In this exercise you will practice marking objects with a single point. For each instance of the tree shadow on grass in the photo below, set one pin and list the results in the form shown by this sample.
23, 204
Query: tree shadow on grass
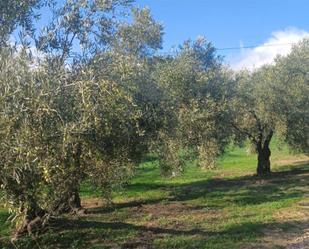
248, 190
89, 233
117, 206
289, 183
83, 232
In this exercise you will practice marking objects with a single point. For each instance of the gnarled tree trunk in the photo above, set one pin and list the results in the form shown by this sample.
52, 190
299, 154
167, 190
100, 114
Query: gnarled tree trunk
263, 167
69, 202
34, 220
264, 153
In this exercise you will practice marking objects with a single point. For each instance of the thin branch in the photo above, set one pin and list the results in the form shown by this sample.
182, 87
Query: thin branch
244, 132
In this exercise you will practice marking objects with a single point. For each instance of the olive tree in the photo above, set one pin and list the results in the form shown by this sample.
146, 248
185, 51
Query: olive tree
26, 128
253, 118
92, 25
124, 72
292, 89
194, 83
64, 122
129, 62
272, 100
55, 132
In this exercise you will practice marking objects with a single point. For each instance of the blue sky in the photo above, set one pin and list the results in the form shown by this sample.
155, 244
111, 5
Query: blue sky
230, 23
227, 22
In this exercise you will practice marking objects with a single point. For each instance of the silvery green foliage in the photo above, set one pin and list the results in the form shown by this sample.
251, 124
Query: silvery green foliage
273, 99
292, 88
55, 131
88, 24
142, 37
250, 107
62, 123
194, 84
17, 13
26, 128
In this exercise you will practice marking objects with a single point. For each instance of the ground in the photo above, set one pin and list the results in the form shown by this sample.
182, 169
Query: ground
227, 207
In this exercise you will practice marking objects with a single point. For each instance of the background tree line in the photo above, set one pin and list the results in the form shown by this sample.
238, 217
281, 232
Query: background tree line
94, 113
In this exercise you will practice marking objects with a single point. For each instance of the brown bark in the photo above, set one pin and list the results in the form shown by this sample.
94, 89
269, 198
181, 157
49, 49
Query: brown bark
263, 167
70, 201
34, 220
264, 153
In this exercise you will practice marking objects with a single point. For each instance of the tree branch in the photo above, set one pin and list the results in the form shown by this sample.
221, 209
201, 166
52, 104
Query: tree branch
244, 132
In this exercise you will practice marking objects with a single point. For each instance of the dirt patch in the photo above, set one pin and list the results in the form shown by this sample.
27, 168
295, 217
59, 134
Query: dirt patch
302, 238
296, 232
175, 214
300, 242
89, 203
292, 160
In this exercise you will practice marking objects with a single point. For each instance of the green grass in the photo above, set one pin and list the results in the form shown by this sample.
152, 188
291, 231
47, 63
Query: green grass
4, 224
227, 207
237, 161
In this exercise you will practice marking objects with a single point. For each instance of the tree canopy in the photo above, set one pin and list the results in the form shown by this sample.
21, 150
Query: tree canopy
93, 114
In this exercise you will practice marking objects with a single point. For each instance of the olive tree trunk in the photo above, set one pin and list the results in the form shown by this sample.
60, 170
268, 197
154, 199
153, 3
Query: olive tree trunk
69, 201
34, 219
264, 153
263, 167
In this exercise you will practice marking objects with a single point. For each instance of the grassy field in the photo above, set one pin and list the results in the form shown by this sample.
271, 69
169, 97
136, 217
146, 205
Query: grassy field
227, 207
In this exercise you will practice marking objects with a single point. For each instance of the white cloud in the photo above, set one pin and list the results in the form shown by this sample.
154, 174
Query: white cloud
278, 44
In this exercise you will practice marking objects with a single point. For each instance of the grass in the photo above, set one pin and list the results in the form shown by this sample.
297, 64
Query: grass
227, 207
4, 225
